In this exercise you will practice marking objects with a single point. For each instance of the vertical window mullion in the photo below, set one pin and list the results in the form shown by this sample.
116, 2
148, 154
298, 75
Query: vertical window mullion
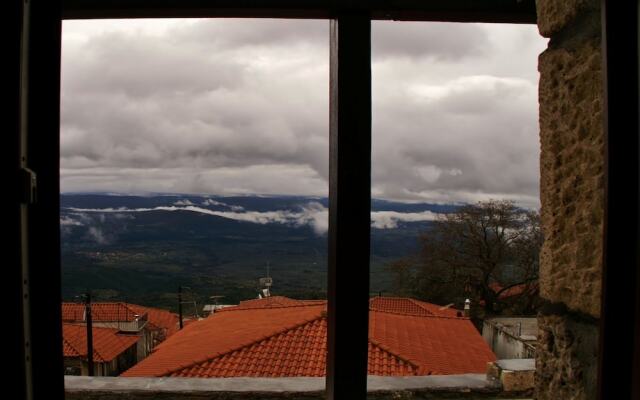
349, 206
40, 232
619, 356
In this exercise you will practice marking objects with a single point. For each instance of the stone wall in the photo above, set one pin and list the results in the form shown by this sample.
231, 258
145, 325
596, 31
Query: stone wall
572, 196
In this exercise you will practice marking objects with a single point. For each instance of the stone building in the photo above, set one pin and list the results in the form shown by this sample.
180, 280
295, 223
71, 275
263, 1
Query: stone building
572, 194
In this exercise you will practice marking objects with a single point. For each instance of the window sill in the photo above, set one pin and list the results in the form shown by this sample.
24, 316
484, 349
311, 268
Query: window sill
471, 386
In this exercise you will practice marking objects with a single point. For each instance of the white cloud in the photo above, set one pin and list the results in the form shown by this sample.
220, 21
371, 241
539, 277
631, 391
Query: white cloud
211, 202
312, 214
183, 202
97, 235
390, 219
68, 221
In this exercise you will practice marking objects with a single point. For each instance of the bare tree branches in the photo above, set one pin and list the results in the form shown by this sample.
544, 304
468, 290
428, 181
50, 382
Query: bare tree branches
483, 251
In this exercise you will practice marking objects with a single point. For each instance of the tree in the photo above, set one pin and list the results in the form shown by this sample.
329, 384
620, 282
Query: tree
484, 252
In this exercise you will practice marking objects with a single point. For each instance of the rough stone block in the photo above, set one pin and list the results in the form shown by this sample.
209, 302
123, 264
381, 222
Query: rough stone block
554, 15
512, 375
572, 175
517, 381
566, 359
493, 371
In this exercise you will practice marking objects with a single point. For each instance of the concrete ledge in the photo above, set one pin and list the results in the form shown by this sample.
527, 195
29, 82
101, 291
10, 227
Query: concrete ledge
183, 385
468, 386
465, 382
526, 364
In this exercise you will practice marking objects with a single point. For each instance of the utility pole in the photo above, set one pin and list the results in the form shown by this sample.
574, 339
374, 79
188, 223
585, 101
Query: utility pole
180, 304
87, 307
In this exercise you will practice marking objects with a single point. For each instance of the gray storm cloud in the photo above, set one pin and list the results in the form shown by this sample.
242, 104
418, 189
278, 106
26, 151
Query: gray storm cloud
241, 107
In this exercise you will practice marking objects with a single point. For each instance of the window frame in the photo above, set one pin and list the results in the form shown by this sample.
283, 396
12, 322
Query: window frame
33, 81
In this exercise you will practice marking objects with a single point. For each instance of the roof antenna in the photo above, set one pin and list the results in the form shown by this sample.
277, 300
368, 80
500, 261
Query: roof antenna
265, 285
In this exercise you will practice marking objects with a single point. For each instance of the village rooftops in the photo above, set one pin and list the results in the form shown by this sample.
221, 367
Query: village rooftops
108, 343
105, 312
282, 337
101, 312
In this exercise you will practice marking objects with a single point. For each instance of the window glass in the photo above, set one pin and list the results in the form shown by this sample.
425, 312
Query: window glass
194, 180
455, 187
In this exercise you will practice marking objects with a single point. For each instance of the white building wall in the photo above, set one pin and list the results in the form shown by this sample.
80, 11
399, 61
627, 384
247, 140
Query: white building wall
504, 344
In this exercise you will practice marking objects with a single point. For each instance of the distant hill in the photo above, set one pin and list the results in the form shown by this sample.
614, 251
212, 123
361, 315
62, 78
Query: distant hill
140, 248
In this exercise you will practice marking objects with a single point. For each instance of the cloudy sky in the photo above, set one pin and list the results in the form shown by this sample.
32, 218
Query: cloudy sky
241, 107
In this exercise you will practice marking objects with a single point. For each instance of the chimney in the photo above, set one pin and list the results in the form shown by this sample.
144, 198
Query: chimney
467, 308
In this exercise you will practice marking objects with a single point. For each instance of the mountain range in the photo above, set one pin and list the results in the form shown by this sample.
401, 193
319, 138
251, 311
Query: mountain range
140, 248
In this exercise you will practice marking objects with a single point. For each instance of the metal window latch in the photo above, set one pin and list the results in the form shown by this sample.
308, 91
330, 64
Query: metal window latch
29, 183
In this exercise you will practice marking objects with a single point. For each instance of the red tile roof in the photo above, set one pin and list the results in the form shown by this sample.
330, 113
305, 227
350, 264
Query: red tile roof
107, 342
438, 345
279, 341
271, 302
219, 334
529, 289
100, 312
299, 351
111, 312
407, 306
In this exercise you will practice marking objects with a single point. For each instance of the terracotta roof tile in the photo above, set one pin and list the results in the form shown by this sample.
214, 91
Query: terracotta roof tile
299, 351
403, 305
272, 302
438, 345
274, 339
107, 342
221, 333
100, 312
125, 312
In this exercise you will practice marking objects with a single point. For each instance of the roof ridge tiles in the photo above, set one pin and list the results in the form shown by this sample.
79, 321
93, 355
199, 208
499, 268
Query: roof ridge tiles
244, 345
418, 315
417, 303
99, 307
244, 308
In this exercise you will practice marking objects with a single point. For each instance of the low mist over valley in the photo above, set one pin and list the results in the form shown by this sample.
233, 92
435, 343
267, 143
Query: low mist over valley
141, 248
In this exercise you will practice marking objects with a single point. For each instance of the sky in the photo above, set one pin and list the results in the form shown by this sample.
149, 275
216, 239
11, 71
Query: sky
228, 107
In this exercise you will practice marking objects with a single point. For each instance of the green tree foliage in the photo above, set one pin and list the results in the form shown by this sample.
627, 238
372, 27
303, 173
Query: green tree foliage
488, 252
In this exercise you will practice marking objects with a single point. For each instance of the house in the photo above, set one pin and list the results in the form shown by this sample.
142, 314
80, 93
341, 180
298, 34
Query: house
113, 351
152, 324
513, 337
282, 337
161, 323
208, 309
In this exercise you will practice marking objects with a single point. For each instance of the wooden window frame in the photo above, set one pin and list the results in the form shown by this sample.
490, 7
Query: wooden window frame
32, 42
